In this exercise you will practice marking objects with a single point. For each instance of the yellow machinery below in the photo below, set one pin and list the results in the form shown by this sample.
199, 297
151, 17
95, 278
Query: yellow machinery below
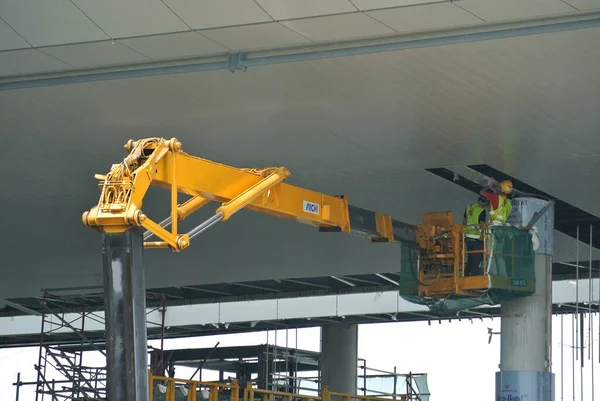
432, 254
172, 389
437, 244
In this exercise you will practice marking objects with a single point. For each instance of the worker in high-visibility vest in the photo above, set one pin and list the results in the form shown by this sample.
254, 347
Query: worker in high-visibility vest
500, 205
500, 208
475, 215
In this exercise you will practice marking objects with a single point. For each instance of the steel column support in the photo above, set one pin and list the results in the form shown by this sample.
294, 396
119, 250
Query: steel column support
526, 323
339, 353
125, 303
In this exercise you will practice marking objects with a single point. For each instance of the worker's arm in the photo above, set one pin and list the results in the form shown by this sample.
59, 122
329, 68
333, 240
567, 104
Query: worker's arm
482, 216
491, 196
160, 162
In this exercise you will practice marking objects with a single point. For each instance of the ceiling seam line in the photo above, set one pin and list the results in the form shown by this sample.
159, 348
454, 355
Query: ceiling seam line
354, 5
378, 21
54, 57
177, 15
92, 21
17, 32
133, 50
192, 29
296, 32
467, 11
265, 11
570, 5
212, 40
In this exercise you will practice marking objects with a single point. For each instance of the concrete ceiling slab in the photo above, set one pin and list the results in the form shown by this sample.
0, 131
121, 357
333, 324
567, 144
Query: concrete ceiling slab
491, 10
131, 18
584, 4
290, 9
365, 126
95, 54
337, 27
250, 27
204, 14
29, 61
256, 36
10, 39
364, 5
185, 44
426, 17
43, 23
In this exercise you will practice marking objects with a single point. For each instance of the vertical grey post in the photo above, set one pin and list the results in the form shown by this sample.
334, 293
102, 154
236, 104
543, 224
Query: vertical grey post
125, 306
526, 323
339, 356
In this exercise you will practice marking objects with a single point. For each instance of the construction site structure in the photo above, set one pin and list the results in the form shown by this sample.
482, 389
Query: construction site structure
64, 375
437, 245
74, 371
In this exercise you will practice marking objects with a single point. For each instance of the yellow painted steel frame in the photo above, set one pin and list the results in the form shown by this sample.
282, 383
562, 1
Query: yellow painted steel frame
214, 388
443, 252
161, 162
251, 393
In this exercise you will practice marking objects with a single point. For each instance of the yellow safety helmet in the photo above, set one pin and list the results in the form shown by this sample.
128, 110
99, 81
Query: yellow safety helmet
506, 186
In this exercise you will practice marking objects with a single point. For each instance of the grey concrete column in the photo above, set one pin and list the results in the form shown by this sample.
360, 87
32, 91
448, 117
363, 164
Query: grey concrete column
339, 357
125, 306
526, 323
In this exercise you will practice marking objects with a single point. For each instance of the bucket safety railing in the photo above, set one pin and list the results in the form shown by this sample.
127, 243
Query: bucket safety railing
256, 394
163, 388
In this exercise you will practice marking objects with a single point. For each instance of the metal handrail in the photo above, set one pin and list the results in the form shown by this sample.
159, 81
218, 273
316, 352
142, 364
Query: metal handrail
192, 386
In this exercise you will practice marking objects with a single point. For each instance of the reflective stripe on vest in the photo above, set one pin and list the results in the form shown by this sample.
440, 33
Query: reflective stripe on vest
501, 214
472, 230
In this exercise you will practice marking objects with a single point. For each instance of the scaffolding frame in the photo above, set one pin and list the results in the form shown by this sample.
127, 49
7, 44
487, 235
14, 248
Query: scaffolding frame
76, 381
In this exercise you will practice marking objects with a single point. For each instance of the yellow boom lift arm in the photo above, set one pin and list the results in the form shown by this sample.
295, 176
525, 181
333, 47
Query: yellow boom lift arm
437, 269
163, 163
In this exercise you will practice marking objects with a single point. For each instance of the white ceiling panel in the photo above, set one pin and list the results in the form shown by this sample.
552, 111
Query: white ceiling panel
28, 61
121, 19
9, 39
418, 18
493, 10
46, 23
254, 36
176, 45
379, 120
584, 4
94, 54
203, 14
287, 9
337, 27
364, 5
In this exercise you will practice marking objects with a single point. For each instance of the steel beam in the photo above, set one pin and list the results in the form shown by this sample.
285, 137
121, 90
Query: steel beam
125, 304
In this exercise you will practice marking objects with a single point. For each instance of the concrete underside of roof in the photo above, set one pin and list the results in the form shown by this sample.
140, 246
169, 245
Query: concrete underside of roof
366, 126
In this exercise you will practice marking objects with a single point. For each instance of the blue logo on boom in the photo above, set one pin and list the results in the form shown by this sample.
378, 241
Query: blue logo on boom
310, 207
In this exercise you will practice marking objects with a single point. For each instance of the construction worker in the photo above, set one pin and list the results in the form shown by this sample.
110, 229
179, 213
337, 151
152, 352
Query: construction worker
500, 205
475, 214
500, 208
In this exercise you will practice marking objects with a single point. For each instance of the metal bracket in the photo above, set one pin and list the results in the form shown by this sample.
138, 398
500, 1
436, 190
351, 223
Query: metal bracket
491, 332
235, 61
538, 215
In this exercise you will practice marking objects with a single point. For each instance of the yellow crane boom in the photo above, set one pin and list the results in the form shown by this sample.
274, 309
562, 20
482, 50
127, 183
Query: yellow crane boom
163, 163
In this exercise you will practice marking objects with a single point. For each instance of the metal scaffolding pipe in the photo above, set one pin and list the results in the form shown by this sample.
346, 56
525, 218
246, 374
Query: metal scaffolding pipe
125, 304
